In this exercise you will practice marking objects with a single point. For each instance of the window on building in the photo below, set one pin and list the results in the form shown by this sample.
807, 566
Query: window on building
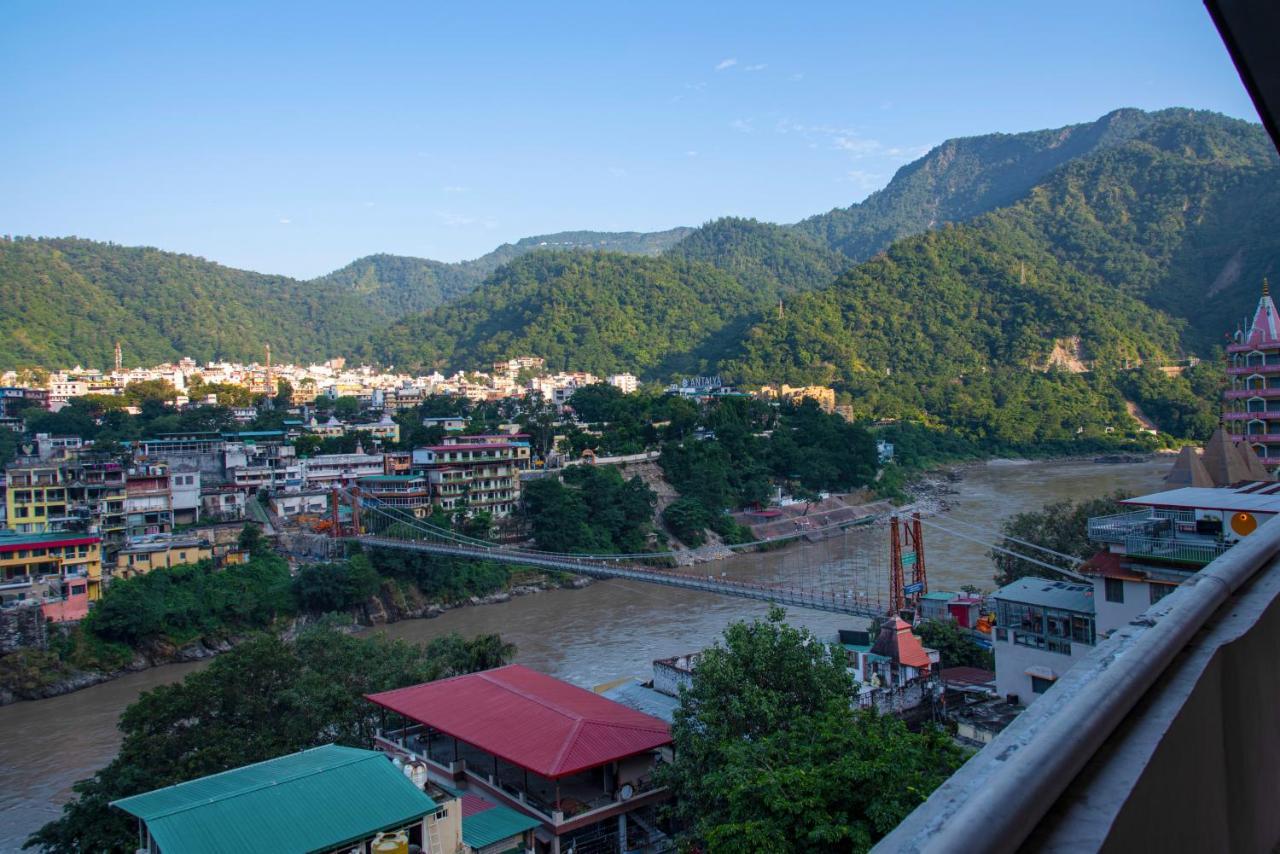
1159, 591
1039, 685
1114, 590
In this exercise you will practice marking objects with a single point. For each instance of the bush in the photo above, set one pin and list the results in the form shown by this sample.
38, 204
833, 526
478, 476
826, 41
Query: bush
688, 519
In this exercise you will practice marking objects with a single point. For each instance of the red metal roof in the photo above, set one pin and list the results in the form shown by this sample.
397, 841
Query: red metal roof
529, 719
898, 642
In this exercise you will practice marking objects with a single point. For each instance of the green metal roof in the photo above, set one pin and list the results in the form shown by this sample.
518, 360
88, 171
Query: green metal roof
498, 822
494, 825
943, 597
13, 538
315, 800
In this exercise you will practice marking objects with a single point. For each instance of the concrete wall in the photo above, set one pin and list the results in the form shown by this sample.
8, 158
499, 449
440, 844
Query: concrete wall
667, 678
1197, 768
1110, 615
1013, 660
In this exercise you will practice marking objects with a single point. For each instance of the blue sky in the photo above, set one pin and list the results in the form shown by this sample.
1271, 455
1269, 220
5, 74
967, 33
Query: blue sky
296, 138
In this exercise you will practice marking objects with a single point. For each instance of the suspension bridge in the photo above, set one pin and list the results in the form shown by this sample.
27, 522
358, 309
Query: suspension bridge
869, 567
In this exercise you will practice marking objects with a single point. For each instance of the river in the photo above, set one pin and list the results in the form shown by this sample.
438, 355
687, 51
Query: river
591, 636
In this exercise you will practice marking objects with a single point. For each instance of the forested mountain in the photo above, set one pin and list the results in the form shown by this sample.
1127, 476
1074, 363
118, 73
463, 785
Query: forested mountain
1141, 252
1040, 268
401, 284
602, 312
963, 178
769, 259
67, 301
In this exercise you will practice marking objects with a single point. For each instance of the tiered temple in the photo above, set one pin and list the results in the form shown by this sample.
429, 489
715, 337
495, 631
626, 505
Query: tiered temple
1252, 411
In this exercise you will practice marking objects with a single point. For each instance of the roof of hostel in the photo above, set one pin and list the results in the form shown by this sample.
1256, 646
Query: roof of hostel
316, 800
1253, 497
530, 719
1049, 594
469, 446
10, 541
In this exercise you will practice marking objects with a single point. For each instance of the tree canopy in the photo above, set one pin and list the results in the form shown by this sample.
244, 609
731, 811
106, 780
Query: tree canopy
265, 698
770, 754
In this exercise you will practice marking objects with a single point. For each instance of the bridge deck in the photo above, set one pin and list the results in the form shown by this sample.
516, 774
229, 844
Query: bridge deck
835, 602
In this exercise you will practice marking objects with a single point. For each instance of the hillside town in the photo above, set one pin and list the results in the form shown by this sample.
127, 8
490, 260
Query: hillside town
80, 518
432, 431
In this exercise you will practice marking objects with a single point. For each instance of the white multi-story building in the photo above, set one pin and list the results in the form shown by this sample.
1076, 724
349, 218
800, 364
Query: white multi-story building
625, 383
1042, 628
325, 471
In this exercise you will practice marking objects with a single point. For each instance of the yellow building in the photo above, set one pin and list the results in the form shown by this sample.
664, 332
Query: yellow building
35, 498
823, 396
162, 553
30, 562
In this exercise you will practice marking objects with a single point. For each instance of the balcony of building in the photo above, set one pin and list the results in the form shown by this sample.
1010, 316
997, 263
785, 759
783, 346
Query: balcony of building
1259, 415
1162, 738
1247, 393
1265, 438
576, 800
1159, 534
1247, 370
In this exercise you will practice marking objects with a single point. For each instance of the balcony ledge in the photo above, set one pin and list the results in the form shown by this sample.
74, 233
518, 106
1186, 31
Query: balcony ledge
1172, 716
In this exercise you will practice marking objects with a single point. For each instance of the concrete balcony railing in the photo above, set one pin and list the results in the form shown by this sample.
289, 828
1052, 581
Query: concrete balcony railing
1119, 527
1246, 393
1248, 370
1264, 415
1256, 437
1163, 738
1187, 550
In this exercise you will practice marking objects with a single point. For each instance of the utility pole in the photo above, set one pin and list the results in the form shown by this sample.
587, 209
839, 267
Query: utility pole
119, 359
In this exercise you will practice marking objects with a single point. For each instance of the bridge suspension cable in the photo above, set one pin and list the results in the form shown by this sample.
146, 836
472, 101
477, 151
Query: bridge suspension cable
1074, 575
1075, 561
453, 536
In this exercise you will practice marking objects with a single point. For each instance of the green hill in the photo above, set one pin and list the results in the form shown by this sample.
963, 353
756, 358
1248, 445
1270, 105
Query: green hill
1141, 252
401, 284
595, 311
769, 259
68, 301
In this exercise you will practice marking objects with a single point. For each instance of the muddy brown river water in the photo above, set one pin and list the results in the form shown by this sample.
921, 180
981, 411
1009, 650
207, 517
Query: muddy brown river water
608, 630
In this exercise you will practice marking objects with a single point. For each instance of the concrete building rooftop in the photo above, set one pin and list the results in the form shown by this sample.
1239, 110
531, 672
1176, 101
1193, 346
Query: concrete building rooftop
1252, 497
1049, 594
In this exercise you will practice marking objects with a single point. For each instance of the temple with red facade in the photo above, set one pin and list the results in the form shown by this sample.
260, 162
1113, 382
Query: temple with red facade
1252, 398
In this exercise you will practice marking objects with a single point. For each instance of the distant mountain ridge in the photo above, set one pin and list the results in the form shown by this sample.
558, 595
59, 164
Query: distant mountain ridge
1172, 209
407, 284
969, 176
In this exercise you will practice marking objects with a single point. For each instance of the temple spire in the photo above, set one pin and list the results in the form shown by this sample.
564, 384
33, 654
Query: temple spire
1265, 328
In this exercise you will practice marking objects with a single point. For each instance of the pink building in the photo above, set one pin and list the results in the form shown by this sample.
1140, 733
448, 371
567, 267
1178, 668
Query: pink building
1252, 410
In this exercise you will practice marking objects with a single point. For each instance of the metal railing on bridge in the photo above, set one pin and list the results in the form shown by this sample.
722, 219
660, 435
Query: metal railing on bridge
404, 531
